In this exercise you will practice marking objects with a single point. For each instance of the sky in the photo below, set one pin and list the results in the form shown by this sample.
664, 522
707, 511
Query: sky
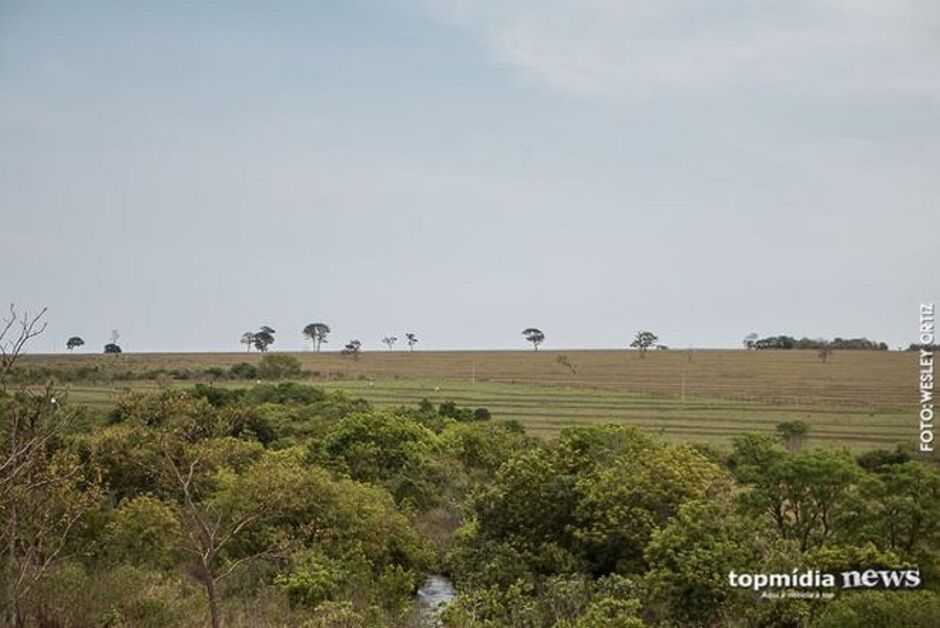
185, 172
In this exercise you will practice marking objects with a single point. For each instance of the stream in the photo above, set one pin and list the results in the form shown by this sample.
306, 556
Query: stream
435, 592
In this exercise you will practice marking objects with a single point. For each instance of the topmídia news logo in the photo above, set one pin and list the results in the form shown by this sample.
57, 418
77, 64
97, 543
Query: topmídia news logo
814, 583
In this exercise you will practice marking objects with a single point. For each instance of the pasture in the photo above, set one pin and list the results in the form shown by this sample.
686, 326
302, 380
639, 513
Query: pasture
858, 399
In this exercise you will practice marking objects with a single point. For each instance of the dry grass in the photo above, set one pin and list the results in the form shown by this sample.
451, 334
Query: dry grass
858, 399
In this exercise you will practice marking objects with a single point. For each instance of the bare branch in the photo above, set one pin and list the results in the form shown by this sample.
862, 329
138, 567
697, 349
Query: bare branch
15, 332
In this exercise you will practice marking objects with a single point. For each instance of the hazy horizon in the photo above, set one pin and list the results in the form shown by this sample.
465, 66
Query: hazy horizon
464, 170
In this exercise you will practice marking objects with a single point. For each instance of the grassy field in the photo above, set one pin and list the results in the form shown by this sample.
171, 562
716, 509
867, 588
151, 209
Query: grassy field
859, 400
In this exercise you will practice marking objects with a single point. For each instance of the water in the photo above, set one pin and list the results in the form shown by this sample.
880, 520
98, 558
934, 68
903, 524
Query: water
434, 593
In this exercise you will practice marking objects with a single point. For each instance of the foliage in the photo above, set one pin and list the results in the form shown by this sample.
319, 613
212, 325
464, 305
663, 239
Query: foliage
352, 348
793, 433
643, 341
898, 509
279, 366
690, 558
263, 339
789, 342
144, 531
624, 503
878, 459
534, 335
449, 409
243, 370
801, 493
382, 448
885, 609
317, 333
284, 504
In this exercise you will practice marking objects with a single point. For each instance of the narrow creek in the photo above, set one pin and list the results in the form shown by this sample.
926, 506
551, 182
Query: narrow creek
435, 592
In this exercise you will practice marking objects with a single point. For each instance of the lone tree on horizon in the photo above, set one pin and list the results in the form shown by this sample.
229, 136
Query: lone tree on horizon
317, 332
263, 339
535, 336
390, 341
352, 348
749, 341
643, 341
113, 346
73, 342
260, 339
412, 340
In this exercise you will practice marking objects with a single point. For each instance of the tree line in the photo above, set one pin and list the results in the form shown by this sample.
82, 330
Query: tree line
318, 333
753, 341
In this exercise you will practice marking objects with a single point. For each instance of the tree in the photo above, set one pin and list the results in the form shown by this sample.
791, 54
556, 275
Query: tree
535, 336
643, 341
214, 521
16, 330
248, 339
629, 499
73, 342
803, 494
263, 339
412, 340
389, 341
352, 348
690, 559
317, 333
900, 510
749, 341
113, 346
793, 433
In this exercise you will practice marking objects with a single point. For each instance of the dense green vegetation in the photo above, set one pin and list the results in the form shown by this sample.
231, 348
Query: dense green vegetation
841, 344
282, 504
271, 367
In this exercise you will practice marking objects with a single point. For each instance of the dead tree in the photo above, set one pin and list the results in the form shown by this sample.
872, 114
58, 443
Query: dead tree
44, 490
16, 330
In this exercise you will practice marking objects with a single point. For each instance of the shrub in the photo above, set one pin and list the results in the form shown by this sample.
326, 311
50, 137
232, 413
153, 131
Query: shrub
287, 392
216, 396
243, 370
279, 366
877, 459
481, 414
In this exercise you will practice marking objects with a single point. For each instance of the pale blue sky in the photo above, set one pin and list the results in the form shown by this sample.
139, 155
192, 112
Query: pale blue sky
187, 171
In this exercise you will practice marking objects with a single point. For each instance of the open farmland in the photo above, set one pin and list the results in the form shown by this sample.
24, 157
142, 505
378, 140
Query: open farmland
859, 400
